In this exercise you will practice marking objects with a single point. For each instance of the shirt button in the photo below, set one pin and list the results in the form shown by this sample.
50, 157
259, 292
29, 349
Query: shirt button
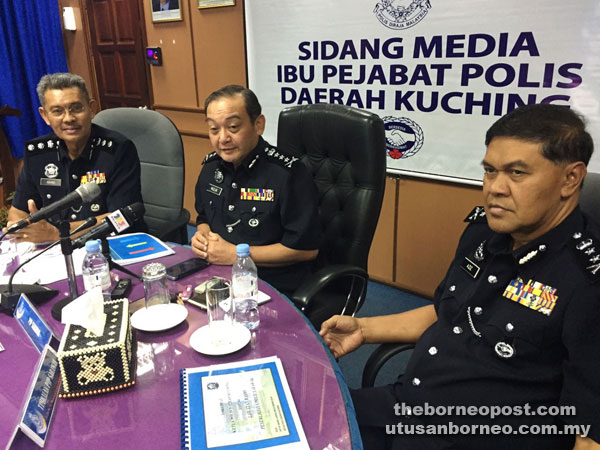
478, 310
231, 207
432, 351
48, 196
457, 330
234, 185
416, 381
210, 203
254, 209
492, 279
509, 327
73, 216
230, 229
452, 288
74, 176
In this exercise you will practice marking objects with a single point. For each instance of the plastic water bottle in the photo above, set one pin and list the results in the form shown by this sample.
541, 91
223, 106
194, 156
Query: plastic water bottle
244, 287
95, 268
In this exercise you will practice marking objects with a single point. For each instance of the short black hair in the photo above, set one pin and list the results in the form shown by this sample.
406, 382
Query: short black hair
253, 107
559, 129
61, 81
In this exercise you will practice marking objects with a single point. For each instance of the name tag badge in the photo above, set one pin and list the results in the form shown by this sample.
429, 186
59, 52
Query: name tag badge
50, 182
470, 267
214, 189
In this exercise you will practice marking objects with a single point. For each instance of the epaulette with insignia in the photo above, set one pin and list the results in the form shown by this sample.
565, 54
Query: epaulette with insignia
208, 157
477, 215
587, 252
44, 143
102, 143
281, 158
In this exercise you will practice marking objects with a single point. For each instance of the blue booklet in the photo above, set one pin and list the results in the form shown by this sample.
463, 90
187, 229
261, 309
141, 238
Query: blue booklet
240, 405
137, 247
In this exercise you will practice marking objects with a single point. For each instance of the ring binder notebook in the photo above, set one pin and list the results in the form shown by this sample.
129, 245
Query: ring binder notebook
246, 403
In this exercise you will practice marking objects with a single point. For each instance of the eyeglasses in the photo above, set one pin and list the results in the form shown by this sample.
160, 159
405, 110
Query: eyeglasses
74, 109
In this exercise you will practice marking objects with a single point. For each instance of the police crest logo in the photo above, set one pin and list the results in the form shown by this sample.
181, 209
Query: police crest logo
403, 137
51, 170
401, 14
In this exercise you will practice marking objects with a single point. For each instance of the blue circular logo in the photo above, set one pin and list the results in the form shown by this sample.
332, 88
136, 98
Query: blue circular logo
403, 137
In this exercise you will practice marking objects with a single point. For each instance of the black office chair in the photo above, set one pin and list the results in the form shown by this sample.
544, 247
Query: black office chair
160, 150
589, 200
345, 150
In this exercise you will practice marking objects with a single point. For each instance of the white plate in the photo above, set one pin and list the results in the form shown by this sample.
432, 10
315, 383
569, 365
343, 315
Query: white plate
159, 317
220, 339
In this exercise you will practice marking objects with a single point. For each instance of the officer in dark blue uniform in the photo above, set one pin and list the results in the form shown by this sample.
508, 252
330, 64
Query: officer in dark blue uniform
78, 152
514, 324
248, 192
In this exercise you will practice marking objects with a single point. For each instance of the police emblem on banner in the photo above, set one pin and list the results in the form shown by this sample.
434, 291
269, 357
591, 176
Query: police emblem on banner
401, 14
403, 137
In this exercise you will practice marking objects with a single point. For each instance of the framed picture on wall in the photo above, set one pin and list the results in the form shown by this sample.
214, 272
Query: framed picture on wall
215, 3
165, 10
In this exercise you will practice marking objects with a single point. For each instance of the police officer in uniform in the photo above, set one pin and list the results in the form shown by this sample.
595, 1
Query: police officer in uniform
77, 152
516, 321
248, 192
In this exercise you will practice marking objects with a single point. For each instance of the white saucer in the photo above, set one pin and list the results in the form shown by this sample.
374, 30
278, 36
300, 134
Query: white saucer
220, 339
158, 317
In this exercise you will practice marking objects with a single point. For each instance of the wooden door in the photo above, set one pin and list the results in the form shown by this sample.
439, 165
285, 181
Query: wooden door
116, 34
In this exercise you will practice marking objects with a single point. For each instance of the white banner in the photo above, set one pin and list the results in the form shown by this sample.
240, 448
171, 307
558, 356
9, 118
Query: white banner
439, 73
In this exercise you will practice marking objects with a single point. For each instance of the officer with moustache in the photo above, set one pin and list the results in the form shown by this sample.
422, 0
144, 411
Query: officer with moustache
249, 192
77, 152
516, 321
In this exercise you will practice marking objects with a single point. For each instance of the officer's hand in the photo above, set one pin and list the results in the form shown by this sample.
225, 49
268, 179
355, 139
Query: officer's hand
342, 334
219, 250
38, 232
199, 244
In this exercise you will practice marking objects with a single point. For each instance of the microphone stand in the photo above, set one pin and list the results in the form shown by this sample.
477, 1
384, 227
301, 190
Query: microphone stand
64, 232
10, 293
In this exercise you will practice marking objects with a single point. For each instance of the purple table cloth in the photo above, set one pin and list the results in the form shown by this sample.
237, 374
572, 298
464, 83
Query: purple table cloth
147, 415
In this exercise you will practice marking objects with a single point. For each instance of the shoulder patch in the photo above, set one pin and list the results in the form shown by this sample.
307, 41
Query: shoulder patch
280, 158
208, 157
42, 144
587, 253
477, 215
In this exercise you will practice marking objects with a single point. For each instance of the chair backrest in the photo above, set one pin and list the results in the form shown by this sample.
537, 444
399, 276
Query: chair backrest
160, 150
589, 198
345, 149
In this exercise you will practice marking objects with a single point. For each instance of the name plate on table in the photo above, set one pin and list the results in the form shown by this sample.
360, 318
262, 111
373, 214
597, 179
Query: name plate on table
35, 327
36, 414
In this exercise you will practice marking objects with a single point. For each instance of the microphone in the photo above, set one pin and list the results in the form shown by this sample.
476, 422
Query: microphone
116, 222
84, 193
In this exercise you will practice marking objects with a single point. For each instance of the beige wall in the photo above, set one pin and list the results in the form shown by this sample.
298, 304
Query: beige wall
420, 221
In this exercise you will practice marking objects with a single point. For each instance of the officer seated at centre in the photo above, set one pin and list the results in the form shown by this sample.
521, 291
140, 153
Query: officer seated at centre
516, 321
77, 152
249, 192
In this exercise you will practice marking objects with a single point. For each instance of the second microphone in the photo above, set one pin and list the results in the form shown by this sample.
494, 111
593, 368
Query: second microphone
116, 222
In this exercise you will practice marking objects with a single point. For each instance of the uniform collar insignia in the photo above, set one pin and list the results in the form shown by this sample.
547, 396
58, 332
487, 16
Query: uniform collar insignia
477, 215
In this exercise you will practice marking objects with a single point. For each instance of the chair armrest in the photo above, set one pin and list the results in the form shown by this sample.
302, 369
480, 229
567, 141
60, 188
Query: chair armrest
318, 280
378, 358
172, 227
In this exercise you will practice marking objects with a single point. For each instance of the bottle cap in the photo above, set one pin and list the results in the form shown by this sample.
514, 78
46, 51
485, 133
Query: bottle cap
242, 250
93, 245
